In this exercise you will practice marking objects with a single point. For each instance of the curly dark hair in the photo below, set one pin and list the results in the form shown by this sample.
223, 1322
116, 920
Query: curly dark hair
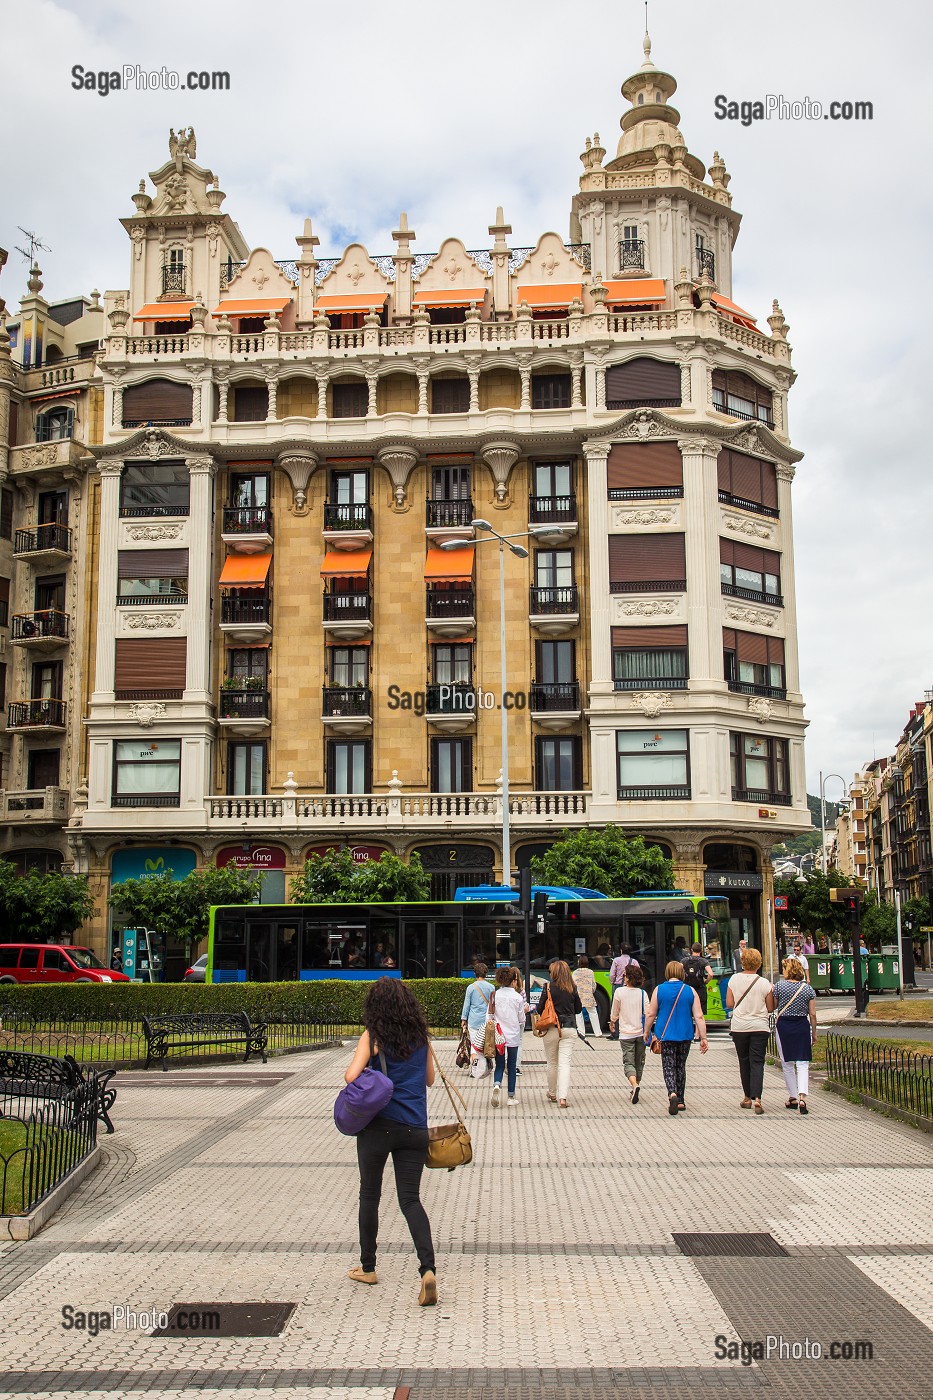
394, 1018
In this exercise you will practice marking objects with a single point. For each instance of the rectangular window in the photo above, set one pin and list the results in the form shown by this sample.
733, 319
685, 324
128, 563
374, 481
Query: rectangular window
741, 396
747, 482
349, 666
246, 770
349, 764
451, 765
555, 663
450, 395
644, 470
53, 508
753, 664
250, 403
4, 602
553, 479
47, 680
249, 491
451, 483
653, 764
749, 572
42, 769
147, 576
452, 663
146, 774
55, 426
550, 390
558, 763
349, 488
759, 769
50, 593
647, 563
350, 400
150, 668
554, 568
6, 514
249, 664
154, 489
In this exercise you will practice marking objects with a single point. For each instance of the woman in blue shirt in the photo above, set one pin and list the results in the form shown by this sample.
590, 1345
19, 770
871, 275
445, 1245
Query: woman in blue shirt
395, 1027
473, 1013
675, 1008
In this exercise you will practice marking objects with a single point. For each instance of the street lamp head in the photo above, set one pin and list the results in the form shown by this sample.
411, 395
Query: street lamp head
520, 550
480, 524
801, 879
457, 544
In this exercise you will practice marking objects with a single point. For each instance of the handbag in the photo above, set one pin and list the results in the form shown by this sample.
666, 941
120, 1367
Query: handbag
462, 1057
547, 1018
656, 1040
363, 1100
449, 1145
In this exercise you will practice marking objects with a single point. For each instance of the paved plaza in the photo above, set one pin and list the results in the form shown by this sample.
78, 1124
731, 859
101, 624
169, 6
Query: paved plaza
558, 1267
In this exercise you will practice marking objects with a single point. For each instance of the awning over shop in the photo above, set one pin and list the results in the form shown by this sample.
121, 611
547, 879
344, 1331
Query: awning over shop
638, 291
346, 563
561, 294
449, 565
351, 301
164, 311
245, 570
252, 306
463, 297
745, 318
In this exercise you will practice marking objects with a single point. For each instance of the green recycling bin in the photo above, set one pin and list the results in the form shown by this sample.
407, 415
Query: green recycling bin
820, 971
841, 976
883, 971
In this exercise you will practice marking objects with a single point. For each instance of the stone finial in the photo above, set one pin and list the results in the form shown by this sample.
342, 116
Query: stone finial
95, 300
307, 241
718, 173
35, 278
290, 787
779, 327
395, 784
141, 199
118, 318
403, 235
646, 49
198, 312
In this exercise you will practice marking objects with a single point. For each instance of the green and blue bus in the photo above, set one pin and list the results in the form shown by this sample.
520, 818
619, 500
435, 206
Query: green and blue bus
311, 942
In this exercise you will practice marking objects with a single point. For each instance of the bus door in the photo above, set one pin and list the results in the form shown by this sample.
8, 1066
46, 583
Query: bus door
430, 948
287, 943
644, 937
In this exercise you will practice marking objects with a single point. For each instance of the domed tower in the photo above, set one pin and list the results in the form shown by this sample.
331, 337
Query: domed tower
651, 210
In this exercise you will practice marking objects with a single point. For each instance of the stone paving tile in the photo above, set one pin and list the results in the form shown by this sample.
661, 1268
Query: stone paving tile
907, 1278
856, 1207
242, 1393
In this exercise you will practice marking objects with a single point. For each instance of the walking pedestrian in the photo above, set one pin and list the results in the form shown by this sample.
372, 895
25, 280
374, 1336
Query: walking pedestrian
795, 1025
675, 1008
697, 972
395, 1030
750, 997
584, 979
473, 1018
617, 976
559, 1039
518, 982
627, 1018
737, 955
507, 1011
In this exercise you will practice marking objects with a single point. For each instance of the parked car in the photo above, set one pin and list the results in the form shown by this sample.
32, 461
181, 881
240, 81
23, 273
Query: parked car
197, 970
43, 963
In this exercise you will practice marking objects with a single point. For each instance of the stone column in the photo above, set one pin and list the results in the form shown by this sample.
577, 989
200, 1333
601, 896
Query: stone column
473, 374
524, 369
223, 386
421, 367
597, 495
372, 388
110, 472
272, 387
701, 524
576, 379
200, 588
785, 475
322, 378
116, 412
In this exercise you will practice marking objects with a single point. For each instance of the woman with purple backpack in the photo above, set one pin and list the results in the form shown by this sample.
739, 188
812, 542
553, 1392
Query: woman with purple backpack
395, 1040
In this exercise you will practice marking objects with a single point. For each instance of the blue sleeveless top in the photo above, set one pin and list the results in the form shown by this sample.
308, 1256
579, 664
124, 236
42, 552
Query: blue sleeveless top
409, 1103
681, 1022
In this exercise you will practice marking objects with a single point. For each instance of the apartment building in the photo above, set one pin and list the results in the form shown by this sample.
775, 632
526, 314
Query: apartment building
50, 411
295, 625
897, 811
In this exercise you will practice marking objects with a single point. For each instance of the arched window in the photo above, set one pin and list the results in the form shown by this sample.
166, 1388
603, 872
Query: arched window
55, 424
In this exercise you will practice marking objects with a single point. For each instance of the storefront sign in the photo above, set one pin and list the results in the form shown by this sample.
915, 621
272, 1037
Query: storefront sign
721, 881
253, 858
360, 854
780, 901
147, 861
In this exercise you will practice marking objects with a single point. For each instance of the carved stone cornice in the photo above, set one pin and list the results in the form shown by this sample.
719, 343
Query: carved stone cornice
399, 461
640, 423
742, 525
756, 617
155, 443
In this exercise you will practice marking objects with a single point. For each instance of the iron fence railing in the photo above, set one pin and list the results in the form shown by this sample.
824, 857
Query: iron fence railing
901, 1078
49, 1112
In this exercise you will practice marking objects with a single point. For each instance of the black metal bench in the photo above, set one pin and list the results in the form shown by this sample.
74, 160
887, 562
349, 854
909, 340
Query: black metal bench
201, 1031
25, 1076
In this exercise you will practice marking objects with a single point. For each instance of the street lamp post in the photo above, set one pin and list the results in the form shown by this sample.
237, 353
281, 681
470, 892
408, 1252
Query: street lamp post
823, 782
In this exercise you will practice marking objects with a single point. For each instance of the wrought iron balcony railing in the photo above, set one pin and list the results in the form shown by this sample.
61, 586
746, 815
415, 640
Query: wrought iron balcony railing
751, 595
556, 697
762, 796
648, 585
631, 254
37, 714
244, 704
56, 537
49, 623
348, 607
244, 611
449, 514
348, 517
174, 279
450, 602
650, 683
544, 601
247, 520
729, 500
669, 793
454, 698
706, 263
772, 692
552, 510
346, 701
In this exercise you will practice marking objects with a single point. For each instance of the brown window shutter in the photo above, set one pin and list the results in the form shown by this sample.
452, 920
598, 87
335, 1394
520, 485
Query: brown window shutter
749, 556
14, 421
753, 648
769, 496
776, 651
644, 464
726, 551
640, 558
4, 590
772, 562
724, 471
154, 664
746, 477
152, 563
157, 401
638, 638
728, 639
719, 379
643, 380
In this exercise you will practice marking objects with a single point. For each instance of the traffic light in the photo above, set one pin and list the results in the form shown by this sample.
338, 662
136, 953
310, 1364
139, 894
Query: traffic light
540, 904
524, 890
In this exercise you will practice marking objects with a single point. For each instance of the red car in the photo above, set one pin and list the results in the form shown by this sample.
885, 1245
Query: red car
43, 963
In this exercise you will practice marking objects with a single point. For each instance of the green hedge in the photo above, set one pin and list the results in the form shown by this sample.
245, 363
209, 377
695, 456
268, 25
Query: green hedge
441, 998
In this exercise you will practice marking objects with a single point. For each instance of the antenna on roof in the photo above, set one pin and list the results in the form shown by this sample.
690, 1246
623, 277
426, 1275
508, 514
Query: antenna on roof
35, 244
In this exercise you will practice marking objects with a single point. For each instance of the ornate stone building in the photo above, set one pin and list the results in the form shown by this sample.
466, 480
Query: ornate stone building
284, 653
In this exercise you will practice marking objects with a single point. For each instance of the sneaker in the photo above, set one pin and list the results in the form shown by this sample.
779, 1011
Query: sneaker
510, 1101
635, 1092
495, 1095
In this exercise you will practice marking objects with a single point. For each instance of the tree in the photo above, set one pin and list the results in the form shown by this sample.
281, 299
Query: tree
809, 907
180, 909
608, 861
42, 908
336, 878
878, 920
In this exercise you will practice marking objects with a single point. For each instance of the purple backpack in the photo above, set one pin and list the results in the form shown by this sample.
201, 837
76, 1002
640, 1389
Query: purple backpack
360, 1102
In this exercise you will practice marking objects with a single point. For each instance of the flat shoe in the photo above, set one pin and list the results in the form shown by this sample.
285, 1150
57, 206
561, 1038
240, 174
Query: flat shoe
681, 1108
672, 1105
635, 1092
564, 1103
553, 1098
791, 1103
746, 1103
428, 1295
758, 1108
803, 1108
363, 1276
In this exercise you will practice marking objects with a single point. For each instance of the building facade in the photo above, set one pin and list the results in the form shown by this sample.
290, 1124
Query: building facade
294, 628
50, 413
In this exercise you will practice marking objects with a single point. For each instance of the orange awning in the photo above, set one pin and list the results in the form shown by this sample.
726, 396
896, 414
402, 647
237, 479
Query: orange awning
360, 642
245, 570
449, 565
350, 301
346, 563
164, 311
724, 304
561, 294
638, 291
252, 306
454, 298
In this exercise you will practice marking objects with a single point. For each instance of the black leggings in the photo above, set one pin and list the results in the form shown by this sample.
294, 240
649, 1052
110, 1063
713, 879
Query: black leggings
407, 1146
674, 1064
750, 1046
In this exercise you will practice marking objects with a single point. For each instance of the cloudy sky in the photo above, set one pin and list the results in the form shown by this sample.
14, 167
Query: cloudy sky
350, 113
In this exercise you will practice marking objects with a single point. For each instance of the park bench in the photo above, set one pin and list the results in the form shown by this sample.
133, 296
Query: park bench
29, 1081
203, 1031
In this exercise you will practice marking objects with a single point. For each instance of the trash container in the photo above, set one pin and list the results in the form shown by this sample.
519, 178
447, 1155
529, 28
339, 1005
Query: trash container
883, 972
841, 976
820, 966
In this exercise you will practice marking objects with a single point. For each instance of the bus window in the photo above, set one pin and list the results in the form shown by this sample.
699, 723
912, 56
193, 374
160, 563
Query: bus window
678, 939
639, 936
259, 955
446, 949
286, 952
229, 950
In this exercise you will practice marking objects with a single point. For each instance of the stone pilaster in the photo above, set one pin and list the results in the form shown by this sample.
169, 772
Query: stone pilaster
110, 473
200, 590
785, 476
597, 495
701, 522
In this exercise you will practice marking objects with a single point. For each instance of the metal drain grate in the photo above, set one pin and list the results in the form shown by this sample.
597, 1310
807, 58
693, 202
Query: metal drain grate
226, 1320
732, 1245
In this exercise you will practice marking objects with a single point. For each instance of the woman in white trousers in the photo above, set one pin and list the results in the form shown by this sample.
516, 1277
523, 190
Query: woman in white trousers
559, 1040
